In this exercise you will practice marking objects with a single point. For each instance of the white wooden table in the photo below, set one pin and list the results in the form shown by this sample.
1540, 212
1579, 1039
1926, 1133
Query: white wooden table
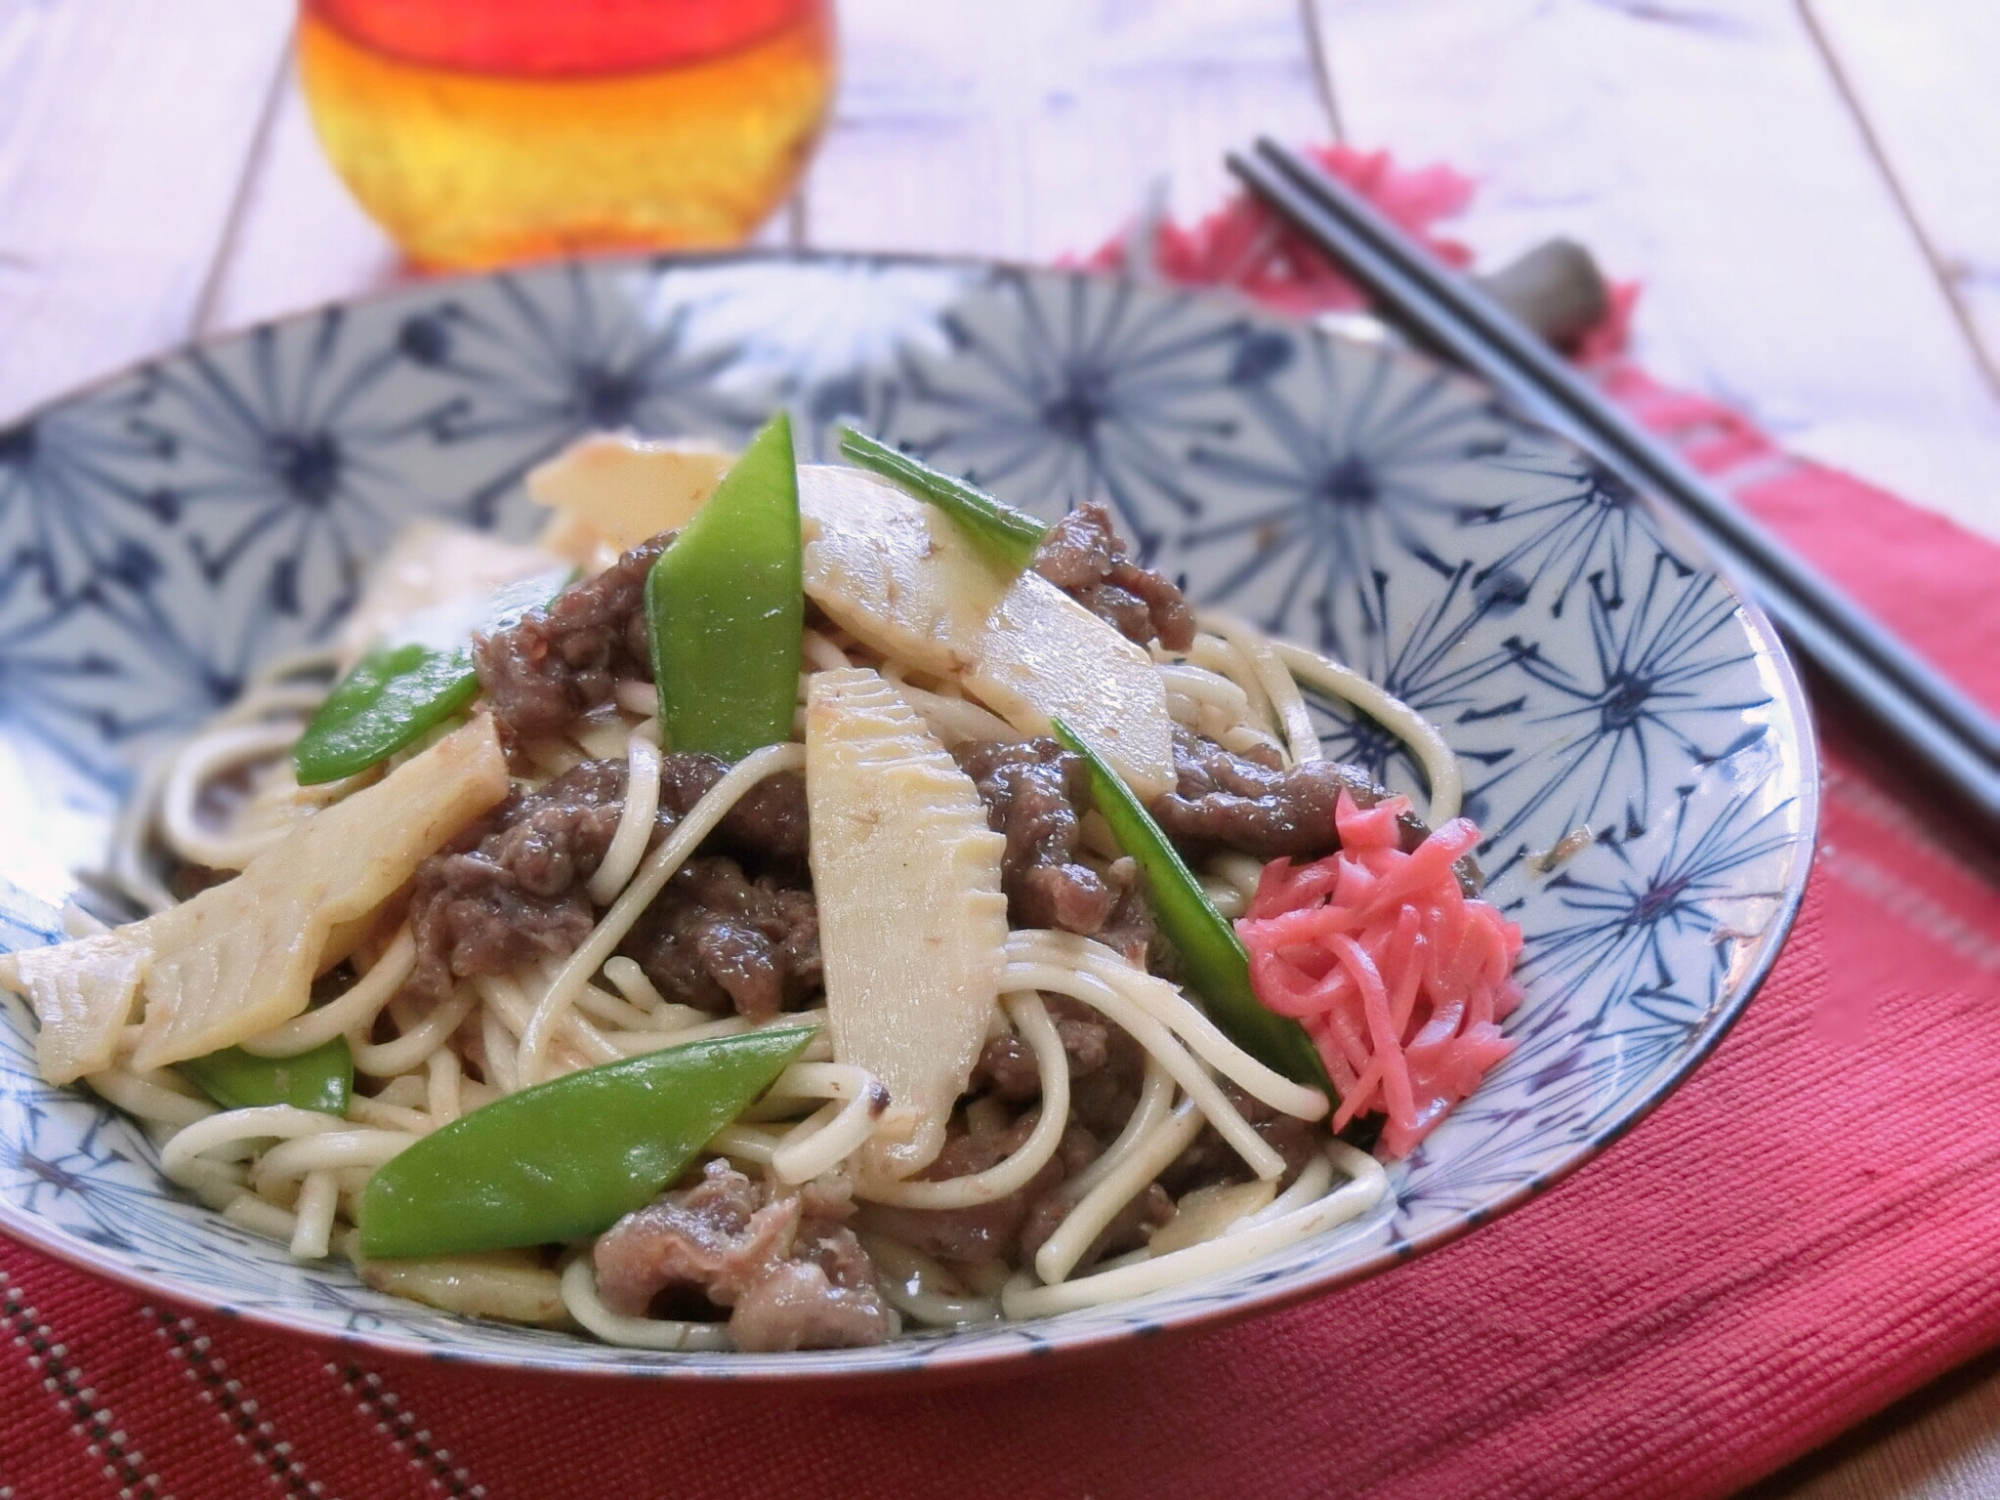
1806, 188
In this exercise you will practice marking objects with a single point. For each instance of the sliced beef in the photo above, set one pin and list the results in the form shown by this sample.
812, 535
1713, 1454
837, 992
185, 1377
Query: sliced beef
1130, 931
510, 890
1034, 791
1006, 1068
718, 940
1084, 557
561, 660
1225, 801
790, 1272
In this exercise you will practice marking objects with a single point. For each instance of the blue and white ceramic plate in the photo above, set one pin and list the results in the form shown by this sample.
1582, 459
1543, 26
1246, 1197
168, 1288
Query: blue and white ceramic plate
163, 533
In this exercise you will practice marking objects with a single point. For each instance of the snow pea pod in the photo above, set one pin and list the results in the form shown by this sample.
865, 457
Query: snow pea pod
1211, 954
399, 691
1010, 535
725, 604
570, 1157
321, 1079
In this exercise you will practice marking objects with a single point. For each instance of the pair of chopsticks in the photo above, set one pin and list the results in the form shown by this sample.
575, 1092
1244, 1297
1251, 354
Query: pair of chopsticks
1952, 737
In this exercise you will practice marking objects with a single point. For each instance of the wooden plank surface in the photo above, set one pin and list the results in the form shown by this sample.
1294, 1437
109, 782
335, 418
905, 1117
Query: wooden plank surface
1941, 1444
124, 129
1925, 76
1034, 128
1707, 151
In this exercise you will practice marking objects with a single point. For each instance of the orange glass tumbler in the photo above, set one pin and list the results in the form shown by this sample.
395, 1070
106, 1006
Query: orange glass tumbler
478, 132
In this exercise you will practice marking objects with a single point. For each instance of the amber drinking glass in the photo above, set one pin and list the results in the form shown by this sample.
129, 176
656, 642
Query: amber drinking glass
484, 131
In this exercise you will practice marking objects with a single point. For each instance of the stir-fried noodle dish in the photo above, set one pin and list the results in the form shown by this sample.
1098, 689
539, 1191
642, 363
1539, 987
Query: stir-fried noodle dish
786, 907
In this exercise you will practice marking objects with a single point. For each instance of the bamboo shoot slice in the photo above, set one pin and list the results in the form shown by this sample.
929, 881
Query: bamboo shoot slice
240, 957
913, 923
900, 576
626, 490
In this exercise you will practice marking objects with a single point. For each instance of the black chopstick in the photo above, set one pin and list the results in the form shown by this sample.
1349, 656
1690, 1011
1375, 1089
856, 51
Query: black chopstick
1931, 718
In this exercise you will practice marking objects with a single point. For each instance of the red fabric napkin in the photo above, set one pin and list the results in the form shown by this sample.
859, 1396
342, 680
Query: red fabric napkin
1797, 1237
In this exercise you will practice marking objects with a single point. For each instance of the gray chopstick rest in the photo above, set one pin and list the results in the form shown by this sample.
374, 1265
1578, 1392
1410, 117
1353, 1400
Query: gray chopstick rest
1554, 288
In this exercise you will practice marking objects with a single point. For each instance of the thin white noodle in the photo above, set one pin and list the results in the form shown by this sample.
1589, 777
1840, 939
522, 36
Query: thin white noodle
1167, 1005
192, 768
956, 720
630, 981
1441, 768
636, 697
148, 1097
579, 1294
309, 659
499, 1049
1156, 1101
1214, 654
350, 1012
1031, 1019
407, 1052
635, 822
1242, 739
1200, 686
441, 1090
363, 1110
1290, 705
904, 1264
235, 1126
745, 1143
332, 1148
1313, 1180
828, 1136
506, 996
130, 870
651, 879
822, 654
262, 1217
1246, 1241
1087, 1219
1256, 1152
601, 1005
312, 1231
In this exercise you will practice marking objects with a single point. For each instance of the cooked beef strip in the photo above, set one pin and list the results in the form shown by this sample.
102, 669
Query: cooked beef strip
791, 1273
1033, 790
1227, 802
510, 890
716, 939
1084, 557
561, 660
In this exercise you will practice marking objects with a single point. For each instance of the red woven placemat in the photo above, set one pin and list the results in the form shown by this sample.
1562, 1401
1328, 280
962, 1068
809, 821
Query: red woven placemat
1796, 1238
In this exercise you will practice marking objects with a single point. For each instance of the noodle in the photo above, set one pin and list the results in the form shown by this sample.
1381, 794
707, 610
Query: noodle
635, 822
1285, 1222
1279, 689
353, 1012
1031, 1017
1440, 765
579, 1294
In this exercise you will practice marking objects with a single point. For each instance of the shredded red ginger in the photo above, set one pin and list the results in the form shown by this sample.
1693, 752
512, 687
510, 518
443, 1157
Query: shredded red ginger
1399, 978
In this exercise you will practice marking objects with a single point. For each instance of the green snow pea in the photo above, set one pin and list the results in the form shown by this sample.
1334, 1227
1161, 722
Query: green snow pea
321, 1079
1011, 535
1211, 954
570, 1157
726, 607
403, 688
